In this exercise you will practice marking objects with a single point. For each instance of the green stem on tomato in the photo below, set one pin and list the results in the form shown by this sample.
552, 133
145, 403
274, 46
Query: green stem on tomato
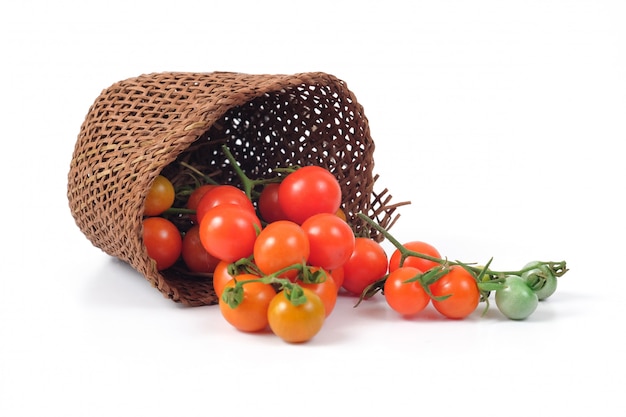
205, 177
483, 272
248, 183
179, 210
233, 296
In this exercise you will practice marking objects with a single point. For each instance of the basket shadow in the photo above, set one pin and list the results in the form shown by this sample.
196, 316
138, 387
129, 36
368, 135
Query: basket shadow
117, 285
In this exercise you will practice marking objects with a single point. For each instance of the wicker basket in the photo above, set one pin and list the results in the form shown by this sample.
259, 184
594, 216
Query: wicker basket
147, 125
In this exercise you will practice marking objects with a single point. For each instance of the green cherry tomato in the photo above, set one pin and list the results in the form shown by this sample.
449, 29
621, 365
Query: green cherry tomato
535, 276
516, 300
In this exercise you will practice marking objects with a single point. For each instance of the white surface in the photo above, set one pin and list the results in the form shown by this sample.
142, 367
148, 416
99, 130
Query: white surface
500, 121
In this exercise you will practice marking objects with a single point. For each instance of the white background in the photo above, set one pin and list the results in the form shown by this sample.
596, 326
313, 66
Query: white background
501, 121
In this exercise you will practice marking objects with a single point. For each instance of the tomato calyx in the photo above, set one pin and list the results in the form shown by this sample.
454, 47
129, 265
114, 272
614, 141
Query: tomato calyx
536, 278
233, 296
424, 279
295, 294
311, 276
243, 265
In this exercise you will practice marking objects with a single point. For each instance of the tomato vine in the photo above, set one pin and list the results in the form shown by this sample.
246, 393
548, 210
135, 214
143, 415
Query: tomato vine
487, 279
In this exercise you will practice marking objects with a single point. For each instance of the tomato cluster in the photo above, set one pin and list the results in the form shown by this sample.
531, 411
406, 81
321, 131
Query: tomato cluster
280, 257
290, 243
520, 295
164, 241
415, 281
419, 276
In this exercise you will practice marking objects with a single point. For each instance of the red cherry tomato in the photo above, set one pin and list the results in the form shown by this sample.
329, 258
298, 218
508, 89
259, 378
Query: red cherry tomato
409, 298
463, 291
194, 255
337, 275
269, 208
162, 241
223, 194
326, 289
414, 261
331, 240
221, 276
307, 191
195, 197
367, 264
228, 231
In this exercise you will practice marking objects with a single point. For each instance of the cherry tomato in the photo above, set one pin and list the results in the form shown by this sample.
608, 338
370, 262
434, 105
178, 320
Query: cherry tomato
195, 197
269, 209
337, 275
221, 277
540, 273
162, 241
331, 240
228, 231
280, 245
463, 290
296, 324
307, 191
223, 194
327, 290
342, 215
367, 264
414, 261
516, 300
194, 255
409, 298
251, 314
160, 197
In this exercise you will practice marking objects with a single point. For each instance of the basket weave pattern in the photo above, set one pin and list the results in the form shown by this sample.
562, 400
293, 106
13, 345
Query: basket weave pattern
144, 126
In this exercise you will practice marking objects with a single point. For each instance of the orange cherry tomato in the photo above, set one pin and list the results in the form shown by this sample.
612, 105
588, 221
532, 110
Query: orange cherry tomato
296, 323
222, 194
160, 197
251, 315
279, 245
